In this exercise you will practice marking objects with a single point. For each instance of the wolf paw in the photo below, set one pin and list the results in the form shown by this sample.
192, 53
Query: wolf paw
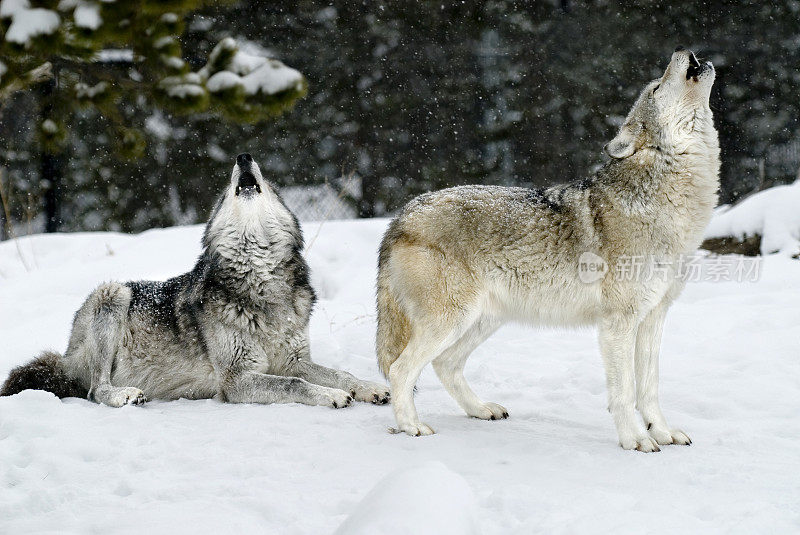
489, 411
640, 443
126, 396
415, 430
666, 436
333, 397
374, 393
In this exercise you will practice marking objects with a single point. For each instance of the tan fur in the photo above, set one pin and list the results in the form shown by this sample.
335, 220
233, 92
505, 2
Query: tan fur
456, 264
394, 329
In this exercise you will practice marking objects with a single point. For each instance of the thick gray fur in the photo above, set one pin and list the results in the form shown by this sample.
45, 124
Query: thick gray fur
235, 328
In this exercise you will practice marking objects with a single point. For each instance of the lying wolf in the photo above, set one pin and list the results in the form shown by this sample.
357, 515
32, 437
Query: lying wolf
234, 328
458, 263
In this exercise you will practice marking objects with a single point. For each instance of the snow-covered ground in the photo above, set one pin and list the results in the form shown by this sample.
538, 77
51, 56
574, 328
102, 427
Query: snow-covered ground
730, 378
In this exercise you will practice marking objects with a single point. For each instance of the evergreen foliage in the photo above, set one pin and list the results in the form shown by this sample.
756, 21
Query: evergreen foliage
413, 96
116, 58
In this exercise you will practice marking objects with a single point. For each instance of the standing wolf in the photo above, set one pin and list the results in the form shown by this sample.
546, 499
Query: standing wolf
458, 263
234, 328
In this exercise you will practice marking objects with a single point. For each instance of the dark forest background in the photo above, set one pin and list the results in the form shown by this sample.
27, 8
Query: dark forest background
405, 97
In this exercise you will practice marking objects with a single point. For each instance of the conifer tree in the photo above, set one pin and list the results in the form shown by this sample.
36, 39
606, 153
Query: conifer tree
110, 54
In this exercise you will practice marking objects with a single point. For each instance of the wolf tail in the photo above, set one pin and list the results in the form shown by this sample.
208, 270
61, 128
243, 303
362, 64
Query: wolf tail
394, 328
43, 373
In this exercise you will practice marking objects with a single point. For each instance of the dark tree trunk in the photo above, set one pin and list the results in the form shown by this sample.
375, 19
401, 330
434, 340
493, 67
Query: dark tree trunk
369, 196
52, 173
52, 164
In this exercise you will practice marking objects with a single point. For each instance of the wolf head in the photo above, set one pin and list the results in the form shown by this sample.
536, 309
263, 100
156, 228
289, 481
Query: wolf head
251, 207
672, 112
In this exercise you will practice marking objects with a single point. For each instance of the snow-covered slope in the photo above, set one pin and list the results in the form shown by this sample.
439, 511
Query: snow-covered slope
774, 214
730, 378
429, 495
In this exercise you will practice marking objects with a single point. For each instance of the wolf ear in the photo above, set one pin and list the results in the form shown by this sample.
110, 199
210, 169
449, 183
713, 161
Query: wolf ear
623, 145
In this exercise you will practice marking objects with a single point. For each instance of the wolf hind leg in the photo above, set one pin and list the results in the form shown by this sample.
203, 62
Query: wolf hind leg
648, 343
106, 312
403, 375
114, 396
449, 367
425, 345
438, 297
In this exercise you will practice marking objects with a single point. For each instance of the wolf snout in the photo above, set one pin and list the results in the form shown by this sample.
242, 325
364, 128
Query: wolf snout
696, 66
247, 181
683, 52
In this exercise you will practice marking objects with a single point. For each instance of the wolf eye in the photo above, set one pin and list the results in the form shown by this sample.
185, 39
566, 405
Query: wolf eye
656, 88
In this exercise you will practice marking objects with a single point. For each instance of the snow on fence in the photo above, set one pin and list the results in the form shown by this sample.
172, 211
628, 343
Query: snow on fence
318, 203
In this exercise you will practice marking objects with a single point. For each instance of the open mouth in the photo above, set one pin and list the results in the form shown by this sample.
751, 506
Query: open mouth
248, 184
696, 68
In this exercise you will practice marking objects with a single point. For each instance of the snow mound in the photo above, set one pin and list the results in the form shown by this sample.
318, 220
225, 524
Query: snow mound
27, 23
774, 214
8, 8
254, 73
87, 16
427, 499
112, 55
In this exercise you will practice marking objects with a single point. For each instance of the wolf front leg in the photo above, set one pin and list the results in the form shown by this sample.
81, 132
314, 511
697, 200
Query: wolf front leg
320, 375
253, 387
236, 356
449, 366
301, 365
648, 344
617, 339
